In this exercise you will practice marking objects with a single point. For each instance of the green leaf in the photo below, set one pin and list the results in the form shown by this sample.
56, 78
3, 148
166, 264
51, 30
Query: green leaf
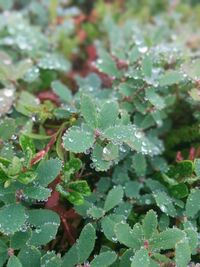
192, 69
104, 259
141, 258
48, 170
22, 68
132, 238
73, 165
165, 203
45, 224
37, 192
171, 77
192, 237
106, 64
14, 262
95, 212
54, 62
88, 110
134, 55
39, 217
182, 169
77, 140
19, 239
75, 198
128, 134
12, 218
113, 198
164, 222
98, 160
110, 152
153, 263
29, 256
197, 167
126, 258
147, 66
70, 259
108, 225
50, 259
154, 98
139, 164
193, 204
132, 189
77, 190
27, 177
119, 133
81, 187
62, 91
182, 253
80, 251
26, 144
31, 75
3, 252
26, 102
167, 239
7, 128
108, 115
86, 242
179, 190
150, 224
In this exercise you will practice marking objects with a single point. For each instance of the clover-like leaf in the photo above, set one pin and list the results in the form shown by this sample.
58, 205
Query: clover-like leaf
7, 128
50, 259
95, 212
106, 64
141, 258
37, 192
139, 164
182, 253
29, 256
46, 224
150, 224
12, 218
14, 262
193, 203
54, 62
48, 170
86, 242
108, 114
108, 225
62, 91
165, 203
132, 189
132, 238
81, 250
78, 140
167, 239
197, 166
147, 66
88, 110
104, 259
110, 152
113, 198
154, 98
171, 77
97, 157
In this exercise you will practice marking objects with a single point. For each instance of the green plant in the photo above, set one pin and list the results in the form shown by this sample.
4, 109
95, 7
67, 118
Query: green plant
94, 141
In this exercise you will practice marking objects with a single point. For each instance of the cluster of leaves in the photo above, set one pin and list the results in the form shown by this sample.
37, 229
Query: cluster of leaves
91, 119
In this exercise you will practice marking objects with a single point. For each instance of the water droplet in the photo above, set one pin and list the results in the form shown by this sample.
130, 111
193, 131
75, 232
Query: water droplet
143, 49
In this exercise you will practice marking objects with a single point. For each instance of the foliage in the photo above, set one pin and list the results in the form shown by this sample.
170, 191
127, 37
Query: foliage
99, 133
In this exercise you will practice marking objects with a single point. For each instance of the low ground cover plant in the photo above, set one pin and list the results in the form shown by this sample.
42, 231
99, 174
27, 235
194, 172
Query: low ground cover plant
99, 133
